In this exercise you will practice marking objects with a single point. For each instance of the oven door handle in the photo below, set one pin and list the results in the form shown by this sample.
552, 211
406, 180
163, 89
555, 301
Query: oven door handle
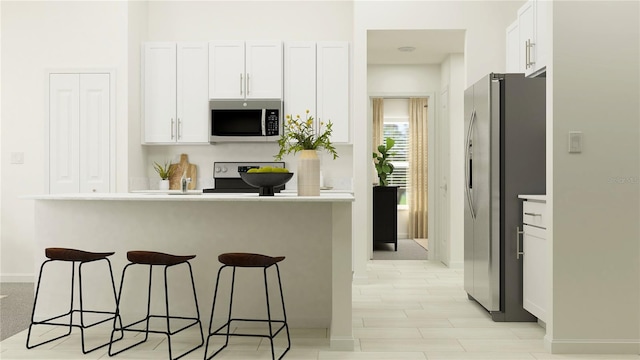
263, 122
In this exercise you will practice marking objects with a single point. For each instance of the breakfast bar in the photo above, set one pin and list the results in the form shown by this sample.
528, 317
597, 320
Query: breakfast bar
313, 233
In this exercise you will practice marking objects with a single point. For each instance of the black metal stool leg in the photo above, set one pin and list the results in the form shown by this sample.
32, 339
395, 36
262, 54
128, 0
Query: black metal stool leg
284, 312
33, 312
213, 307
195, 299
266, 292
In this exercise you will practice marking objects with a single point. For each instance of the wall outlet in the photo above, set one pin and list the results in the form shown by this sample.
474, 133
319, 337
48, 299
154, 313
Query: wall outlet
17, 158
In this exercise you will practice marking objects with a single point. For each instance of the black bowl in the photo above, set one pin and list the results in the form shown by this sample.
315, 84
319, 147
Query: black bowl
266, 181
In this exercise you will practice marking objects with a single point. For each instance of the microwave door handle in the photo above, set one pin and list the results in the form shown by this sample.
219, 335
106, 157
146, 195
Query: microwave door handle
264, 125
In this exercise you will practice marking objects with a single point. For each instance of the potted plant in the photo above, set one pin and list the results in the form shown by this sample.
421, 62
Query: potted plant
383, 166
385, 198
165, 172
306, 136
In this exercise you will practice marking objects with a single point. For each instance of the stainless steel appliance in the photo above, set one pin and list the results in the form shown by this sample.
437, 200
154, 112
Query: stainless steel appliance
245, 120
504, 157
226, 177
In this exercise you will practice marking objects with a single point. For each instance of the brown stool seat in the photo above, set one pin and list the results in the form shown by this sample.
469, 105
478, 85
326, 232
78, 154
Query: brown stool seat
156, 258
64, 254
248, 260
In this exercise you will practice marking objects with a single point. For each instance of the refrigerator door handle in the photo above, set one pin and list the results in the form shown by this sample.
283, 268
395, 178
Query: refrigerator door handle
467, 164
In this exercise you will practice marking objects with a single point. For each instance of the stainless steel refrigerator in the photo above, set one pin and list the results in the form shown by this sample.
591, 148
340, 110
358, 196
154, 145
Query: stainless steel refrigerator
504, 157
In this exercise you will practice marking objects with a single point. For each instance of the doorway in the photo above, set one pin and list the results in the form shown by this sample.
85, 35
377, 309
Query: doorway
407, 63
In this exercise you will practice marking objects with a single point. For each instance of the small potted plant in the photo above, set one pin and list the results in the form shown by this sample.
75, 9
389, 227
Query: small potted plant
383, 166
385, 198
165, 172
306, 136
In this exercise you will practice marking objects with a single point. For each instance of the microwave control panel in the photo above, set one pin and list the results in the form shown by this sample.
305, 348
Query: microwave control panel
272, 122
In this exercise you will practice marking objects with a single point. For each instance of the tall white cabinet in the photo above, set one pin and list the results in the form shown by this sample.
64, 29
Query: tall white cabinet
245, 70
176, 106
527, 39
80, 116
317, 79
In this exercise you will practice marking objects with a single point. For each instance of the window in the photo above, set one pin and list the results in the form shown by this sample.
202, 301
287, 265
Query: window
398, 129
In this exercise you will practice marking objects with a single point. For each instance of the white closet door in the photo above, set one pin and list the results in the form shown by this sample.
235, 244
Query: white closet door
94, 133
63, 133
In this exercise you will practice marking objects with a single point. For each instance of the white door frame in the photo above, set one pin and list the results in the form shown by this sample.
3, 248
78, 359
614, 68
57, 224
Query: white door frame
431, 168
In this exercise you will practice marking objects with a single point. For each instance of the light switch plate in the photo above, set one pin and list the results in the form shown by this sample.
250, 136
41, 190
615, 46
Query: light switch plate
575, 142
17, 158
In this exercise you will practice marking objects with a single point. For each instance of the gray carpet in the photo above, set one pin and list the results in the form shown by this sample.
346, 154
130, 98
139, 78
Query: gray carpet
15, 308
408, 249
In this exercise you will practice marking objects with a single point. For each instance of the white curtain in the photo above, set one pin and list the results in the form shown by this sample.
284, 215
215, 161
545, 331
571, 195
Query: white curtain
378, 126
418, 135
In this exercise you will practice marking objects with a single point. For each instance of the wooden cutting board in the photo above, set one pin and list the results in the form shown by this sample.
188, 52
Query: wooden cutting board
179, 169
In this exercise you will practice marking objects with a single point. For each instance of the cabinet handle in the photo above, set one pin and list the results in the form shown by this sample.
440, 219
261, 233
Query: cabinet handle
518, 251
241, 84
531, 44
179, 129
526, 54
172, 124
532, 214
247, 84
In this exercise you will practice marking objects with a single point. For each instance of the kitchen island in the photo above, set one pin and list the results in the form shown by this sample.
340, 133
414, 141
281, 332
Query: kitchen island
313, 233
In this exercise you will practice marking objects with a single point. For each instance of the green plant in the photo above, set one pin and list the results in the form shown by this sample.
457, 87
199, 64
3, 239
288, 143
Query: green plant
305, 135
383, 166
164, 171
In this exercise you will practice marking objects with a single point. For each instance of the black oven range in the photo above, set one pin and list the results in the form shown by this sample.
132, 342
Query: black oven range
226, 177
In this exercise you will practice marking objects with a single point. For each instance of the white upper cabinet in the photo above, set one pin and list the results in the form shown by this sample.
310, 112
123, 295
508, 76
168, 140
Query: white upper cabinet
317, 79
513, 64
192, 93
175, 93
245, 70
333, 88
300, 78
533, 42
79, 133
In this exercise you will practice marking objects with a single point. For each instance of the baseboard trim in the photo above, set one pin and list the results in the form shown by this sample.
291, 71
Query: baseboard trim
580, 346
338, 343
17, 278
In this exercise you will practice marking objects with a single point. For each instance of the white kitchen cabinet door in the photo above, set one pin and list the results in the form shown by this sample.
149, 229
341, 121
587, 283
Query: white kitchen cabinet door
263, 67
160, 92
534, 271
333, 88
226, 70
513, 64
192, 95
79, 133
532, 24
300, 78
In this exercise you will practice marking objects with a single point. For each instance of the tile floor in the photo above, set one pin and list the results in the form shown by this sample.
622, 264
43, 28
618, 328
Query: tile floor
405, 310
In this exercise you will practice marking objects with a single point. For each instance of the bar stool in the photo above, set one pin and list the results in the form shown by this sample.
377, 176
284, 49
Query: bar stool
247, 260
73, 256
152, 259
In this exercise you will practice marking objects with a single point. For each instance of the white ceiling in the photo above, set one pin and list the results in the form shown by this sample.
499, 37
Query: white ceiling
432, 46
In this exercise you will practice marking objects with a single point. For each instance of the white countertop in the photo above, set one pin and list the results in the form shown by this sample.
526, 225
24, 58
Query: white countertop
197, 195
542, 197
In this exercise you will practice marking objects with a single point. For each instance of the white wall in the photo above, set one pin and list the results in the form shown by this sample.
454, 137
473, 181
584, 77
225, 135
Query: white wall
484, 53
595, 195
260, 20
37, 36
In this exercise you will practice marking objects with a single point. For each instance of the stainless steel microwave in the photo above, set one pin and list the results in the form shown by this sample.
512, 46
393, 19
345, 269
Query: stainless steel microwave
245, 120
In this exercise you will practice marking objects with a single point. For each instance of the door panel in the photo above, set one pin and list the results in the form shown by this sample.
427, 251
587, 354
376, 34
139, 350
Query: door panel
192, 93
94, 132
63, 133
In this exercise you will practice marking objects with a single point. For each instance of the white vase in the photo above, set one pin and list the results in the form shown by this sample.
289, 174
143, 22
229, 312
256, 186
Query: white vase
308, 173
163, 185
